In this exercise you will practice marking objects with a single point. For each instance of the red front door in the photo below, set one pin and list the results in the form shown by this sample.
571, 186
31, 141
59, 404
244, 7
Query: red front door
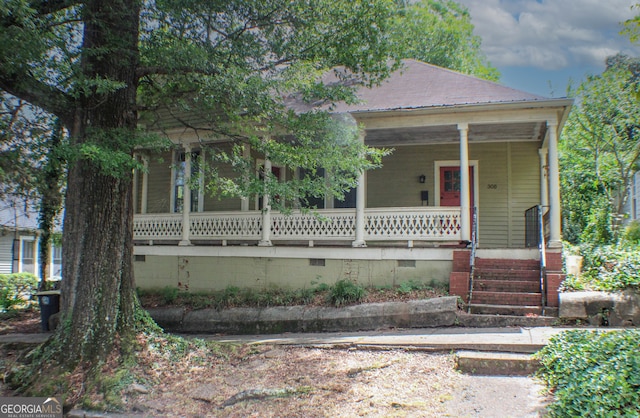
450, 186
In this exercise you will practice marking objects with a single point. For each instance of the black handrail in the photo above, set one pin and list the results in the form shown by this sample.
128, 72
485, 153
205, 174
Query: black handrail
543, 258
472, 258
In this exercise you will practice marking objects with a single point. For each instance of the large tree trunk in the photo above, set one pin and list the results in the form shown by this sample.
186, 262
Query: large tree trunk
98, 298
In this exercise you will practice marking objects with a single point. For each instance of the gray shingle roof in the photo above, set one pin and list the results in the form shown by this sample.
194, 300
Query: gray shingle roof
421, 85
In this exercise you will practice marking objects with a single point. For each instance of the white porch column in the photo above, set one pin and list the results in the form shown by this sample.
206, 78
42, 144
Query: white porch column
361, 198
246, 153
266, 207
544, 181
465, 184
186, 197
145, 184
555, 239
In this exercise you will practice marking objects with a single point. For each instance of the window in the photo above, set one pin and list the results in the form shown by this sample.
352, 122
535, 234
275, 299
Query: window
27, 256
56, 261
349, 200
179, 182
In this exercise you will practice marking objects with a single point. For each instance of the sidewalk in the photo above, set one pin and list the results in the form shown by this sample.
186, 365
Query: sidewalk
507, 339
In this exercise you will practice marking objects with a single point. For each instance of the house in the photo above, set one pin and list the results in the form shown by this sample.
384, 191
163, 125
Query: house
633, 205
19, 243
412, 219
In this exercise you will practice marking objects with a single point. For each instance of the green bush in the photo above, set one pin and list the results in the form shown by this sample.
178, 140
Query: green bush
345, 292
607, 268
631, 233
16, 289
595, 374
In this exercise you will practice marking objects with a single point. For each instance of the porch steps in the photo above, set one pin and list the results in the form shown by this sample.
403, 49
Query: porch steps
506, 287
486, 309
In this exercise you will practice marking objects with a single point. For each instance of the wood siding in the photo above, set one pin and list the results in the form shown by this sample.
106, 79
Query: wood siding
6, 253
159, 183
508, 183
214, 202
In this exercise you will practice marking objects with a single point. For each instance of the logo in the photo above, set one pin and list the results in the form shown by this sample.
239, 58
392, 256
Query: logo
30, 408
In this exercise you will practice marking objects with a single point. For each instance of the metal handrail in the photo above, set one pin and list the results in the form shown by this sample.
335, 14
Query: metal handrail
472, 258
543, 258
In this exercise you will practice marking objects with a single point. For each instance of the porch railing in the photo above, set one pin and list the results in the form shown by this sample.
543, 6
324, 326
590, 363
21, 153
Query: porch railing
381, 224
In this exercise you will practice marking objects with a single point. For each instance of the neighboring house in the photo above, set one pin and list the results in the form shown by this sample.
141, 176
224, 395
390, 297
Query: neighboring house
19, 240
408, 220
634, 198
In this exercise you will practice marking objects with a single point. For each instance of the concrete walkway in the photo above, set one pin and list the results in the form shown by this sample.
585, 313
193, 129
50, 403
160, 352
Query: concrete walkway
509, 339
506, 339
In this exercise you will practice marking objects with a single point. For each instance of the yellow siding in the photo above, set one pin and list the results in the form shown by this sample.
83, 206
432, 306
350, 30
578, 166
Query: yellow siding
508, 183
158, 193
213, 202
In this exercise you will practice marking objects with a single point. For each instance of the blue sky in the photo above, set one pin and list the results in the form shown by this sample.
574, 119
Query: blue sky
540, 45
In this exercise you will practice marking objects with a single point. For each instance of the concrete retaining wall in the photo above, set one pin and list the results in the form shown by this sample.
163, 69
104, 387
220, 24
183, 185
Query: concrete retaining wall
602, 308
438, 312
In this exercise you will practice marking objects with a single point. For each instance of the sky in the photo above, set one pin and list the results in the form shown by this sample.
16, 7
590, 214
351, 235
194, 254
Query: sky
540, 46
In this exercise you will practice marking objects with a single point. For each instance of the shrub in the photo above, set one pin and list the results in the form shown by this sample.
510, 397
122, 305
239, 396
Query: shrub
169, 294
631, 233
594, 374
345, 292
608, 268
16, 289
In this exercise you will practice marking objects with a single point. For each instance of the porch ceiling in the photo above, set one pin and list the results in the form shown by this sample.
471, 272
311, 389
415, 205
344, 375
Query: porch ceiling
505, 132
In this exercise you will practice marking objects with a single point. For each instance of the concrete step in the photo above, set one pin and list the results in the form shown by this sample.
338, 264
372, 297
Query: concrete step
507, 274
506, 298
519, 286
496, 363
502, 321
489, 309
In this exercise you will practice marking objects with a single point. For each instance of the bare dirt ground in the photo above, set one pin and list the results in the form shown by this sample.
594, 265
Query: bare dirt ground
210, 380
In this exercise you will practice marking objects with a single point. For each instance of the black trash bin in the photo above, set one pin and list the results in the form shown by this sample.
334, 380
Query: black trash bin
49, 301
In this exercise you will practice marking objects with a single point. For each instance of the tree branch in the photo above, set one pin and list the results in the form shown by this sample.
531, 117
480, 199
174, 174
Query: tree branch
44, 7
39, 94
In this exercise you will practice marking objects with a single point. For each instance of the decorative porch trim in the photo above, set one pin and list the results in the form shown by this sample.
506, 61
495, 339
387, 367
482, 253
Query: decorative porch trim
380, 224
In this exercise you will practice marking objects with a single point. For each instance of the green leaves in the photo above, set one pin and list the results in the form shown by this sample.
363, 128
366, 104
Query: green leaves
441, 33
600, 152
593, 373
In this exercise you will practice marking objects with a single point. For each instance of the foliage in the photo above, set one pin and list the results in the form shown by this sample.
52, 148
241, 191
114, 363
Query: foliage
600, 152
591, 373
318, 293
17, 289
345, 292
607, 268
440, 32
631, 234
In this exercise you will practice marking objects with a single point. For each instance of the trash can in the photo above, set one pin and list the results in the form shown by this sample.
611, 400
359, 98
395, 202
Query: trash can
49, 301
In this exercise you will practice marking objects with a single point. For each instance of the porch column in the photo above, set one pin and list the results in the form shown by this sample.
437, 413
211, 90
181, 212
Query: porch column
186, 197
266, 207
360, 205
544, 182
465, 191
246, 154
145, 184
555, 239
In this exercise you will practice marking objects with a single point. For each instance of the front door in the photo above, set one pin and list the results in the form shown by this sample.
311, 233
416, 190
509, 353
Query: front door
450, 186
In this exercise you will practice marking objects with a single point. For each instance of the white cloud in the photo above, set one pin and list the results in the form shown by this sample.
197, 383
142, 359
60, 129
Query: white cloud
551, 34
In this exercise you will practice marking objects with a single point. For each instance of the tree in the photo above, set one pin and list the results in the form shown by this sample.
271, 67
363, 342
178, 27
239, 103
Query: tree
440, 32
97, 64
601, 151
